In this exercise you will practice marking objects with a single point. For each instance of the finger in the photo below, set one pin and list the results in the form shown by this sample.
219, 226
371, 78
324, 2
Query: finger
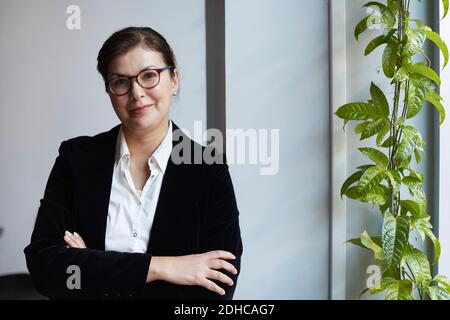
70, 241
77, 239
73, 242
221, 254
208, 284
80, 239
216, 275
222, 264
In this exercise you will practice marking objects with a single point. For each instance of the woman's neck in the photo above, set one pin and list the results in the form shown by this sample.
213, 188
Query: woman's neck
143, 144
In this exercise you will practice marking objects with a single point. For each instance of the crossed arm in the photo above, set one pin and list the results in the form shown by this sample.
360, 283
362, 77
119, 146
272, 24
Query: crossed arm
51, 251
194, 269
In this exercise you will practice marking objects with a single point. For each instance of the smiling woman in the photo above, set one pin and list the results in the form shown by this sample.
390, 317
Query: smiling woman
136, 224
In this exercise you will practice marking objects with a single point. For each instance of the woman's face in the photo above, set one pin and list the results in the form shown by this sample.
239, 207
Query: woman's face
142, 109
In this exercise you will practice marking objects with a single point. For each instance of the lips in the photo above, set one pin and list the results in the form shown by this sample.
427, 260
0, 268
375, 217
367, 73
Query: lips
140, 110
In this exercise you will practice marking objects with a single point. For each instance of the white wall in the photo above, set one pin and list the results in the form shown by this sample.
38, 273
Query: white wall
53, 92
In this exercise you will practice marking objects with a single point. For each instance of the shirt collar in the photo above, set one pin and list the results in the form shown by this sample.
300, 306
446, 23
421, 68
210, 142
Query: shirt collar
161, 155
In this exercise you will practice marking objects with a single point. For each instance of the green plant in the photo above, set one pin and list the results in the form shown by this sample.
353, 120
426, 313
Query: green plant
405, 268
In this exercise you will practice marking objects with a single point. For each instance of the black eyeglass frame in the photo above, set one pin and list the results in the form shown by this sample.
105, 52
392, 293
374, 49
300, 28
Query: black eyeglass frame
159, 70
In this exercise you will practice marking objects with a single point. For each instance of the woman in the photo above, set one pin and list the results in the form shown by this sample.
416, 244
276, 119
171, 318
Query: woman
120, 212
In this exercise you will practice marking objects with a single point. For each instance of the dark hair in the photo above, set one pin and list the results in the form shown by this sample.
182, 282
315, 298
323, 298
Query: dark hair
126, 39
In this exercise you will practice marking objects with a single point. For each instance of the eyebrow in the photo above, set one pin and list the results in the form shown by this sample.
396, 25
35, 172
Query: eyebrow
124, 75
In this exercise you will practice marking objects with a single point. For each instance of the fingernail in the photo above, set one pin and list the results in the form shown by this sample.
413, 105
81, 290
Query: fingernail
75, 234
66, 232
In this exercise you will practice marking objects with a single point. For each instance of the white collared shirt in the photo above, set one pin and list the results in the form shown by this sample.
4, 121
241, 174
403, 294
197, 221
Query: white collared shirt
131, 211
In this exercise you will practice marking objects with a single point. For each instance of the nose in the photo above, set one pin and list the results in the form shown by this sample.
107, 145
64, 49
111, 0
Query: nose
136, 91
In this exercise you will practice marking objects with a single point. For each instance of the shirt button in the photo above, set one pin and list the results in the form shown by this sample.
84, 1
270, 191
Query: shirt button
151, 160
134, 234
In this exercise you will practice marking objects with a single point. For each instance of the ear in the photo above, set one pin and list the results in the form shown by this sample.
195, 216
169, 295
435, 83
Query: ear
175, 81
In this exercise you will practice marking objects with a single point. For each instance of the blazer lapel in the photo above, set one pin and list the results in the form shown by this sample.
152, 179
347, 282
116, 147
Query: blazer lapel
96, 171
175, 199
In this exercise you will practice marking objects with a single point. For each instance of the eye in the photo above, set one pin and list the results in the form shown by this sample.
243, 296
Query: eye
120, 82
149, 75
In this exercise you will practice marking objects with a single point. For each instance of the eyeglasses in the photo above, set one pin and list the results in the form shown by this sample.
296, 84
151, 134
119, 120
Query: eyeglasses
147, 79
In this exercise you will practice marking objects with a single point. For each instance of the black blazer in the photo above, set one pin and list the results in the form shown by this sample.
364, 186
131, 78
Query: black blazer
196, 212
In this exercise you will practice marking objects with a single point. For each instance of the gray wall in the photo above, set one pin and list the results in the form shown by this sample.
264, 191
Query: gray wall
277, 77
53, 91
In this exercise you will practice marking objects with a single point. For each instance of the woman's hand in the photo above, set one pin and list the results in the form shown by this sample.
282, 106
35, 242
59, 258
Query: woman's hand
194, 269
74, 240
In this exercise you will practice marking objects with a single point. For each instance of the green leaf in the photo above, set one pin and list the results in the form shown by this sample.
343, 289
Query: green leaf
354, 192
415, 40
371, 178
355, 111
445, 3
436, 244
425, 71
420, 223
372, 128
365, 167
417, 261
411, 140
402, 74
350, 180
361, 126
443, 280
416, 95
437, 40
376, 156
378, 195
395, 179
384, 283
394, 5
378, 41
438, 293
410, 206
390, 59
386, 127
417, 156
405, 150
365, 23
399, 290
369, 243
357, 242
394, 238
386, 13
415, 186
380, 101
388, 142
433, 98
